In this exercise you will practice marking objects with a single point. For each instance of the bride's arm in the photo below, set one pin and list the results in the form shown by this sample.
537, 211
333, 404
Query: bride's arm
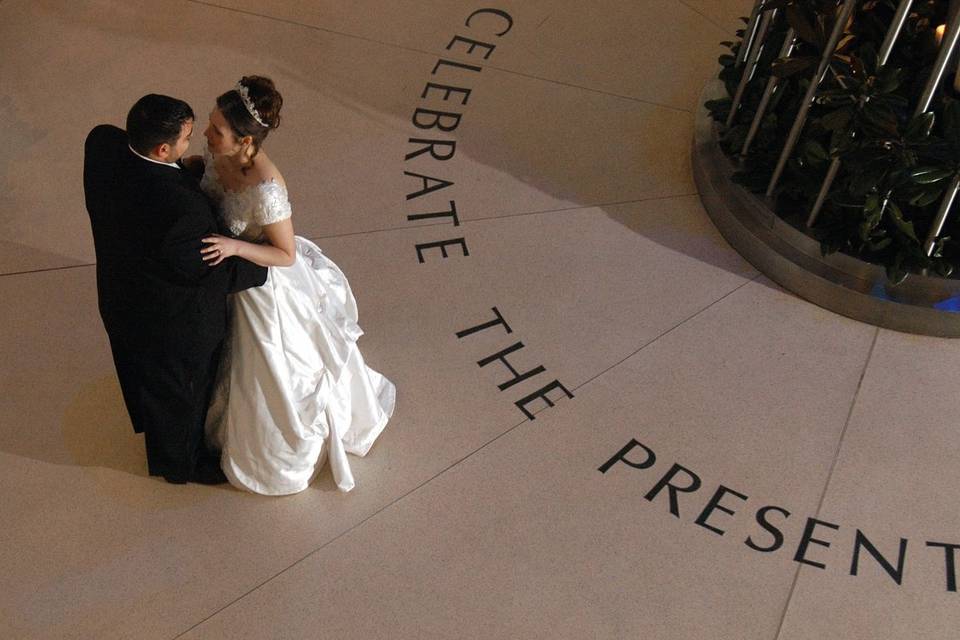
281, 250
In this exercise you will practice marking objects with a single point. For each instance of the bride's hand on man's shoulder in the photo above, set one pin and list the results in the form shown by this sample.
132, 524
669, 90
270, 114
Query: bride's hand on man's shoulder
218, 248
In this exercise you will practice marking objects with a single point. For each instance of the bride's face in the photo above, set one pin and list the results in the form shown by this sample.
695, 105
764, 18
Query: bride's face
221, 140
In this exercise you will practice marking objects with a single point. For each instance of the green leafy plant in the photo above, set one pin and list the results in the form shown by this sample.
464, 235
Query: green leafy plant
894, 166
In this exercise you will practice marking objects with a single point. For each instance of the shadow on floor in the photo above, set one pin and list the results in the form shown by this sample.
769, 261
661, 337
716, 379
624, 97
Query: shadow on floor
97, 430
585, 150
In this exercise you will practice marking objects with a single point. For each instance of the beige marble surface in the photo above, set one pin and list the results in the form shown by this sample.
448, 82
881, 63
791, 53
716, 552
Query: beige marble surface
572, 182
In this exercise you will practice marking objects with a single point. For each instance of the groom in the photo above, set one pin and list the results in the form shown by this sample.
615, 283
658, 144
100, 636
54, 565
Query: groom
163, 307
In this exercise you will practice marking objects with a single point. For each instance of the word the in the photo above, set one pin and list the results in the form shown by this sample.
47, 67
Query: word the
517, 378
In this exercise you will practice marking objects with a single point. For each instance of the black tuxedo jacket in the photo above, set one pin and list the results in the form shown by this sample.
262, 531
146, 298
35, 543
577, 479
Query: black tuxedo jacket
164, 308
148, 219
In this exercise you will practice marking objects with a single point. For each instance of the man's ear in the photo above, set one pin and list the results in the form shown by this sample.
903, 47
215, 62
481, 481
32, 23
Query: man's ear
162, 151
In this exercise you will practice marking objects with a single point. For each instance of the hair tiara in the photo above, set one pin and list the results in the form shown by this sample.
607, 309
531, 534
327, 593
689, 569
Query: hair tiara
248, 103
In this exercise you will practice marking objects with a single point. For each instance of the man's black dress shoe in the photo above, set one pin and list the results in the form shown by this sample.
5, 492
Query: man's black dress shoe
208, 472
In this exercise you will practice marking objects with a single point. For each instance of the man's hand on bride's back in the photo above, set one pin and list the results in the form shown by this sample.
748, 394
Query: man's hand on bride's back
193, 165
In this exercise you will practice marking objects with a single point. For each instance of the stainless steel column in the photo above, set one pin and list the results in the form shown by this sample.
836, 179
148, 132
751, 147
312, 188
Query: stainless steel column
893, 32
941, 216
772, 82
751, 65
943, 57
896, 26
842, 18
749, 31
947, 48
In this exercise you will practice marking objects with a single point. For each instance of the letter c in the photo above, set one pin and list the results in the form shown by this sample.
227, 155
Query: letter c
498, 12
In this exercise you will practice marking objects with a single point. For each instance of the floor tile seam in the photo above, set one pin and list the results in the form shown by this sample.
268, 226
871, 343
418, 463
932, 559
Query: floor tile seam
833, 465
407, 227
457, 462
506, 216
45, 269
352, 528
394, 45
668, 331
846, 423
704, 16
598, 205
604, 92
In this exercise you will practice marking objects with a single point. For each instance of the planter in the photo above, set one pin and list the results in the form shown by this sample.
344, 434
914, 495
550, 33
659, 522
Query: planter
838, 282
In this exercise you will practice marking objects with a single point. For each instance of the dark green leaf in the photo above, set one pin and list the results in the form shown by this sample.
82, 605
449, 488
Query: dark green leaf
872, 214
920, 126
896, 275
880, 246
926, 198
938, 253
889, 79
929, 175
859, 69
895, 271
903, 225
814, 153
951, 123
718, 103
841, 143
866, 179
805, 30
881, 116
869, 57
836, 119
892, 100
786, 67
845, 43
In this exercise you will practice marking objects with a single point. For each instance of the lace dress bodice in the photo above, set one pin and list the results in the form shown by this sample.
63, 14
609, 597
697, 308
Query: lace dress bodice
247, 211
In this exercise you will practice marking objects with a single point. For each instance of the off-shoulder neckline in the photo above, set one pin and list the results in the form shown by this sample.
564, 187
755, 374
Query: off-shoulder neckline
256, 185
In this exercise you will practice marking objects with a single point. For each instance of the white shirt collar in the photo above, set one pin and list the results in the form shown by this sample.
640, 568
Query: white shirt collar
166, 164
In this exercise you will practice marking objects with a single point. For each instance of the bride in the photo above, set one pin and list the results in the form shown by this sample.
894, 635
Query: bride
293, 389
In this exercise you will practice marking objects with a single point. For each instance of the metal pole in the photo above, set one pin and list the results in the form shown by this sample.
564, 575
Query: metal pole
946, 48
749, 32
941, 217
751, 64
824, 188
943, 57
848, 6
896, 25
785, 51
893, 33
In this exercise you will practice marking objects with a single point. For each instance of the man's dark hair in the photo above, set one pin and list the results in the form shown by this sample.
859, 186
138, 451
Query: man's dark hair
156, 119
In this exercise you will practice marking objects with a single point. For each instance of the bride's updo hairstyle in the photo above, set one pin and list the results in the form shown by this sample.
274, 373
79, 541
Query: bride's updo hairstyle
264, 98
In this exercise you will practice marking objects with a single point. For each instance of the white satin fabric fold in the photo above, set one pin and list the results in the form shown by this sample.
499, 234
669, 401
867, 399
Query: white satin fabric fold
293, 389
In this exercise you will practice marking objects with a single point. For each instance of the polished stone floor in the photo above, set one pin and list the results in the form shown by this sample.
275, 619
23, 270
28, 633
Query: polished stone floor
734, 463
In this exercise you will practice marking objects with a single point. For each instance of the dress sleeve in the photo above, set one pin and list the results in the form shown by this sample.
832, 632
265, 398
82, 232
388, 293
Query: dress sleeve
273, 205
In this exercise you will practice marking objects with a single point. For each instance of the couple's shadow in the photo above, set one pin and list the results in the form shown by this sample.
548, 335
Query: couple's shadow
98, 438
97, 433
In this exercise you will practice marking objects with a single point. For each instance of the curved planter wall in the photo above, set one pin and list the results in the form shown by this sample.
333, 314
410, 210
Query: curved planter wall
921, 304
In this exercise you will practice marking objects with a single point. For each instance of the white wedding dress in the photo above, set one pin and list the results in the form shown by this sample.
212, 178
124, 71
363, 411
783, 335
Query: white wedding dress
293, 389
